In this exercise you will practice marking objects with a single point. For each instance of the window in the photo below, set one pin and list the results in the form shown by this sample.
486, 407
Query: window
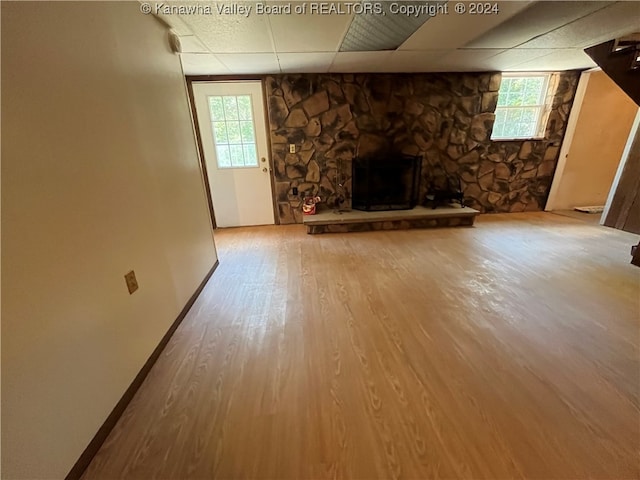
233, 134
522, 107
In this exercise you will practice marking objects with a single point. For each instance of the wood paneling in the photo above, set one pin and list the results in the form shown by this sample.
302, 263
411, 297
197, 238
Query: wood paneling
624, 212
618, 66
507, 350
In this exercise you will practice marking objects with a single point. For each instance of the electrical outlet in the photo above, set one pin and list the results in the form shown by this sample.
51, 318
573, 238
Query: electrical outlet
292, 148
132, 283
295, 190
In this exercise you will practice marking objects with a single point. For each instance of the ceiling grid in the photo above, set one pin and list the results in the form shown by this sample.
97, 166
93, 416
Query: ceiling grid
524, 35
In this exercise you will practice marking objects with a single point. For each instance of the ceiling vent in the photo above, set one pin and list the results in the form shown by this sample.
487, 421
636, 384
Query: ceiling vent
386, 26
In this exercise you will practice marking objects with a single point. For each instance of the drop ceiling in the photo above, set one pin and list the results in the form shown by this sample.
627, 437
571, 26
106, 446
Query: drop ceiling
523, 36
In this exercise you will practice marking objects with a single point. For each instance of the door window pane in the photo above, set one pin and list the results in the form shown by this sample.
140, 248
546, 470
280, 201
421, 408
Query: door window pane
250, 153
230, 108
237, 155
246, 132
220, 133
216, 108
233, 130
244, 107
224, 158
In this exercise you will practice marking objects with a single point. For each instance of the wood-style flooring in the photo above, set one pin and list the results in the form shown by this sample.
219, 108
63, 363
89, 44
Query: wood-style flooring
506, 350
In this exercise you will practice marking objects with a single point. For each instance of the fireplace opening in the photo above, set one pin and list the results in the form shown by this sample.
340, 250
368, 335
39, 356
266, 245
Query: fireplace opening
386, 182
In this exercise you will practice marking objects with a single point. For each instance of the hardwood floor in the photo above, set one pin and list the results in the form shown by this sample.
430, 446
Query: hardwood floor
507, 350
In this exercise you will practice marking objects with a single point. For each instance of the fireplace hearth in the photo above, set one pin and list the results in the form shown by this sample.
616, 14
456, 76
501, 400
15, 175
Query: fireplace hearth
386, 182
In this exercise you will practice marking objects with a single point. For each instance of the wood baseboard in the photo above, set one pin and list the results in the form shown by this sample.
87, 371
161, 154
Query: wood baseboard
103, 432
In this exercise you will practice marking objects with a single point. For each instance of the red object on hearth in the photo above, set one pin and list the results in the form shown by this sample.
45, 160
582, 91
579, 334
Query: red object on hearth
309, 205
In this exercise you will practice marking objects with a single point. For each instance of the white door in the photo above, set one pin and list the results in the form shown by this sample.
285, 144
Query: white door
234, 139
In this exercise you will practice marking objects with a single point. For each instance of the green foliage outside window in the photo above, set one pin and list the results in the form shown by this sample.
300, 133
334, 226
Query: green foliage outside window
521, 104
233, 132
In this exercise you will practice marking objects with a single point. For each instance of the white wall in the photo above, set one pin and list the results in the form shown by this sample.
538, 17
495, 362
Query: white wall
99, 176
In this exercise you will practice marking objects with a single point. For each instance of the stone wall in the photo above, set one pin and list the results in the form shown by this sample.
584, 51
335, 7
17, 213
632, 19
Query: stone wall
446, 118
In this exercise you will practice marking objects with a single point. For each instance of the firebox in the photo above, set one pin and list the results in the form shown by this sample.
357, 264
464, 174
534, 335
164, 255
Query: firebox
386, 182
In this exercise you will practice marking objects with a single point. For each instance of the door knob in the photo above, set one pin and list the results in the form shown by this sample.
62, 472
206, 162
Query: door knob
263, 159
264, 169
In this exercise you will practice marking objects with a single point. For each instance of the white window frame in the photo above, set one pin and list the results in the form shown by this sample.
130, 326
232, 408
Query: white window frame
543, 109
229, 144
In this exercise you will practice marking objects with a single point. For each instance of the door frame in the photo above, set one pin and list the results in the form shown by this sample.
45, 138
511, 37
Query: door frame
572, 122
191, 79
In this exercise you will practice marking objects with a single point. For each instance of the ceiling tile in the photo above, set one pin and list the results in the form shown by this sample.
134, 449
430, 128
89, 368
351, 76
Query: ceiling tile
387, 29
537, 19
202, 64
175, 23
466, 60
247, 45
256, 63
510, 58
568, 59
232, 33
456, 30
192, 44
414, 61
361, 62
305, 62
308, 33
605, 24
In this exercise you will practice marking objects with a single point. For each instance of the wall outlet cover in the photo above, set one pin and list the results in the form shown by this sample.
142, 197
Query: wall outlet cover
292, 148
132, 283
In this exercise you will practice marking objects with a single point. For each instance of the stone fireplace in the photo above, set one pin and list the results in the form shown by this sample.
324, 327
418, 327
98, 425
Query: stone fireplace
385, 182
445, 118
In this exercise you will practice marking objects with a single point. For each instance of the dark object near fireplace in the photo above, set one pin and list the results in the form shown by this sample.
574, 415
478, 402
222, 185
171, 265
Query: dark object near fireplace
386, 182
452, 193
